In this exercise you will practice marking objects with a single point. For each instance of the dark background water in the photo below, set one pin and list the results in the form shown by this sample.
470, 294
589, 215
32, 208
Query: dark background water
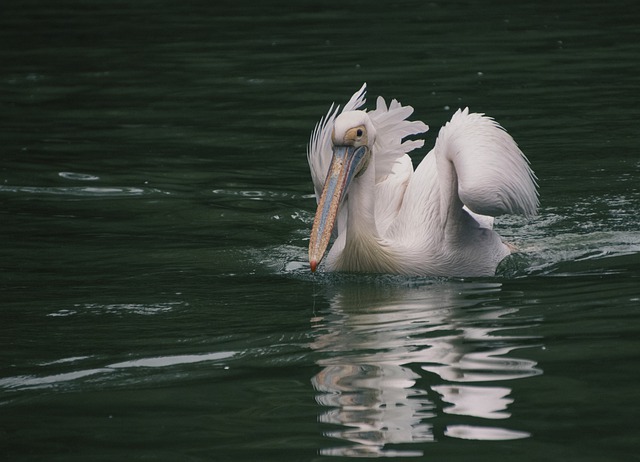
155, 205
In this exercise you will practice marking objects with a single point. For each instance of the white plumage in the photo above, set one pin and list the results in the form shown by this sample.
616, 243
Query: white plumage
435, 221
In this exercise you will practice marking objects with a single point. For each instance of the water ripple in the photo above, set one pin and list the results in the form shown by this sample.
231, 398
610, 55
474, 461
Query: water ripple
78, 176
117, 308
83, 191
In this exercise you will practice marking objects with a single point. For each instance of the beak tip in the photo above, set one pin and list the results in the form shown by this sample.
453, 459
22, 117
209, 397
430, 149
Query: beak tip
314, 265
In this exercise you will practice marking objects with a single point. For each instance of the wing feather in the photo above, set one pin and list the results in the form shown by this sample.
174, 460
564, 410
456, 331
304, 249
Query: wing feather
392, 127
494, 177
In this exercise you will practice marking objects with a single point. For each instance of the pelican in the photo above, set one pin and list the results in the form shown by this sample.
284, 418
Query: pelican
434, 221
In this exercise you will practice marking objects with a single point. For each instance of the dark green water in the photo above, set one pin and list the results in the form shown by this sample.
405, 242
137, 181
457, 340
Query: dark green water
155, 206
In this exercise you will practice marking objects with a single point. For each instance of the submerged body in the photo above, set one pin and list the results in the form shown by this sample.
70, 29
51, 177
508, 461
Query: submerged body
434, 221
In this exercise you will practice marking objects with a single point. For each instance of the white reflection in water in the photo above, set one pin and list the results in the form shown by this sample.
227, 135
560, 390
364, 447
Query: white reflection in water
395, 358
32, 382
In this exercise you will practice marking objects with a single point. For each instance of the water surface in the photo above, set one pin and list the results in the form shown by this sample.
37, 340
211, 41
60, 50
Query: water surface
155, 206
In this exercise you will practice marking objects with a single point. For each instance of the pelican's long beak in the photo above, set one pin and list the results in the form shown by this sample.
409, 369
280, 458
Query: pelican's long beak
345, 165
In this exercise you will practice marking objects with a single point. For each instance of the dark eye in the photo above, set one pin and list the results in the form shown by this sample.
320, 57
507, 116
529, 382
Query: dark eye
359, 132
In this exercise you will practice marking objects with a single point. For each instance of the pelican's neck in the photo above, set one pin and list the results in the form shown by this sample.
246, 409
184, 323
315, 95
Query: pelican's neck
361, 221
364, 250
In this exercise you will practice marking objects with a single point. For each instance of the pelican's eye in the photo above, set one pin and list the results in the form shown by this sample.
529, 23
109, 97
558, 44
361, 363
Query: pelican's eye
359, 132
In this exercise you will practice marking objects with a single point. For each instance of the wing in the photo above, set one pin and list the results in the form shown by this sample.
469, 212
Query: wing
392, 162
475, 172
493, 175
319, 149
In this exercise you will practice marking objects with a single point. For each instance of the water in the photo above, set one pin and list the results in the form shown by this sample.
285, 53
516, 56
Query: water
155, 206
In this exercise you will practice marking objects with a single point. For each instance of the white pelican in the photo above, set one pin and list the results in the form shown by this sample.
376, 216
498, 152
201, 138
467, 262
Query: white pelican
434, 221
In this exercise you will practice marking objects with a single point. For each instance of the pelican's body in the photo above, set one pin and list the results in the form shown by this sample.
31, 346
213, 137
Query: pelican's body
435, 221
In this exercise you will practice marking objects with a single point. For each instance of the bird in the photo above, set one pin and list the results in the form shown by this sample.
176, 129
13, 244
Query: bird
437, 220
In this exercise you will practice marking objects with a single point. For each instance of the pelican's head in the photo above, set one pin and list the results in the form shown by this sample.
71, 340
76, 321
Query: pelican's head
352, 138
353, 128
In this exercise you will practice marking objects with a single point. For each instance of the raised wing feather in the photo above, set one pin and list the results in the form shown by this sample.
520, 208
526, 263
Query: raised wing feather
494, 177
392, 127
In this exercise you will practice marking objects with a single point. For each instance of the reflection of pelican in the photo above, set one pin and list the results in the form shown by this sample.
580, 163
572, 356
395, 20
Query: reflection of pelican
435, 221
380, 348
